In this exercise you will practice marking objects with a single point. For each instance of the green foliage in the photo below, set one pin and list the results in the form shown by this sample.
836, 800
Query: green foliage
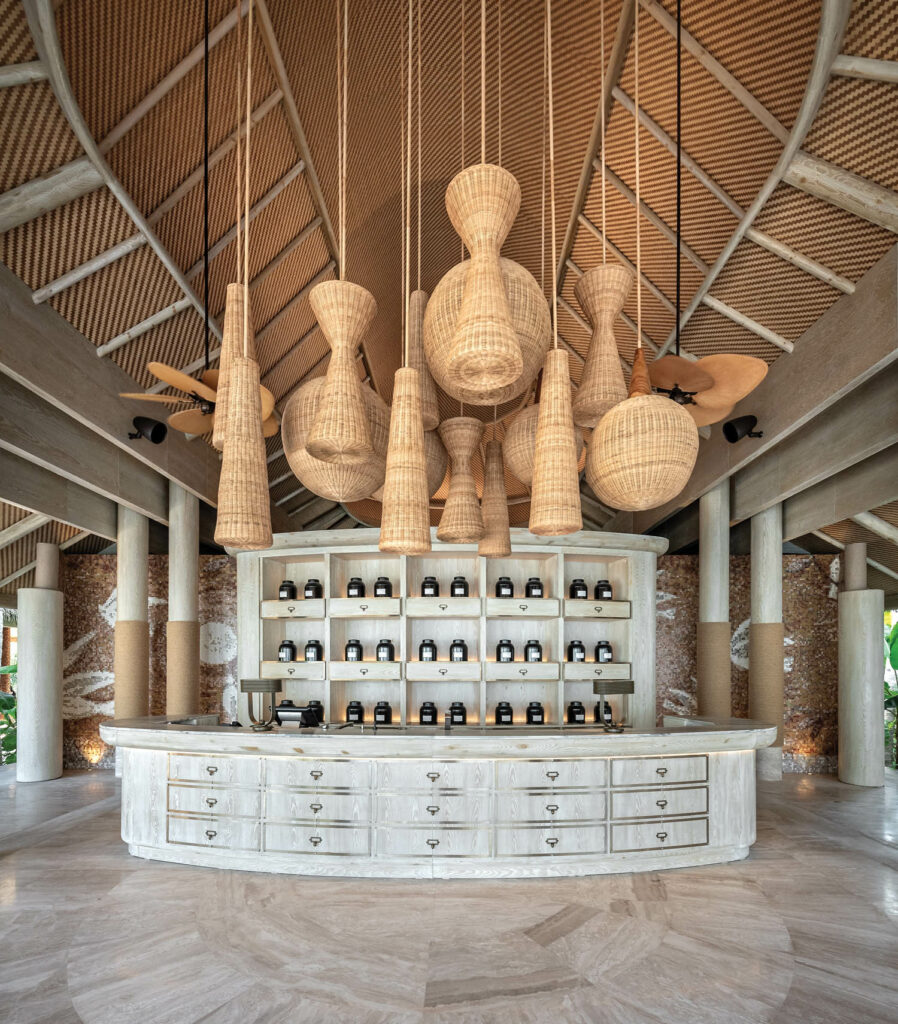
7, 723
891, 652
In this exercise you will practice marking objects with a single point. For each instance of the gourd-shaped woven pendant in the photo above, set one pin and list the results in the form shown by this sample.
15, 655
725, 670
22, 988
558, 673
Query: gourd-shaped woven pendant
462, 522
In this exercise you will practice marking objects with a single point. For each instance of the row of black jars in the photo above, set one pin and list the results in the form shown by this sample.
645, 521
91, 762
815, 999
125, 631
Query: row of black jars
383, 587
385, 651
533, 651
312, 590
383, 712
533, 588
601, 592
536, 713
576, 651
313, 651
427, 651
429, 715
430, 587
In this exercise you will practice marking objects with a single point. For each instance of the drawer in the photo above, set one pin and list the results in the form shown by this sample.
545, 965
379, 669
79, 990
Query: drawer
442, 607
521, 807
577, 609
213, 833
354, 670
563, 841
519, 671
436, 671
298, 609
443, 808
654, 771
435, 842
214, 769
312, 840
588, 670
291, 670
295, 805
214, 800
522, 607
314, 775
403, 776
666, 835
363, 607
582, 774
657, 803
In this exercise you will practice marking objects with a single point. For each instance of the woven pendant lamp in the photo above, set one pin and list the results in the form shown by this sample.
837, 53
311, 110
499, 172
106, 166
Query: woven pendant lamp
462, 521
601, 292
496, 540
231, 346
519, 446
435, 459
430, 412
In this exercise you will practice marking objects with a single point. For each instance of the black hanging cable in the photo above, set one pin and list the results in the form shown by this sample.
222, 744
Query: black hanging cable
206, 178
679, 170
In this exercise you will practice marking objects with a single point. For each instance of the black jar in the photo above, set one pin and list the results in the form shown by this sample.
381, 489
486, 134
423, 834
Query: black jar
576, 651
353, 651
287, 591
312, 590
355, 587
318, 708
383, 713
386, 651
355, 712
427, 715
504, 587
287, 651
314, 651
597, 713
458, 651
578, 589
504, 714
604, 653
382, 587
536, 714
533, 651
427, 651
458, 587
576, 713
534, 587
430, 587
458, 713
602, 591
505, 651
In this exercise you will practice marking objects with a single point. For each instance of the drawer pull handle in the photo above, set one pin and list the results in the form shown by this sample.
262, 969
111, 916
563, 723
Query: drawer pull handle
552, 841
291, 671
315, 840
363, 607
211, 801
432, 809
433, 843
211, 769
661, 771
598, 609
443, 607
552, 775
315, 808
661, 835
211, 833
596, 671
363, 671
443, 671
523, 671
316, 774
661, 803
433, 776
523, 607
291, 608
551, 808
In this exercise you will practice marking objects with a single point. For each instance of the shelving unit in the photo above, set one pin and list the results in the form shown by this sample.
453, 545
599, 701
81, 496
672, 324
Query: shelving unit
480, 619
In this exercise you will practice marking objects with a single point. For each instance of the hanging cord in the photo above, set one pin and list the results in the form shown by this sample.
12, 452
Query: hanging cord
408, 179
239, 158
602, 106
206, 182
679, 167
500, 83
420, 19
636, 153
483, 81
552, 170
542, 209
246, 181
402, 145
463, 5
339, 65
344, 133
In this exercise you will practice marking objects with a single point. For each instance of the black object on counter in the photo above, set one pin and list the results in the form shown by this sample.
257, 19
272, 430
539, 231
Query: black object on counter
353, 651
318, 708
355, 712
427, 651
576, 651
386, 651
597, 713
576, 713
603, 591
458, 651
504, 714
288, 713
383, 713
312, 589
287, 591
578, 589
355, 587
458, 713
504, 651
382, 587
427, 715
604, 652
287, 651
534, 587
458, 587
536, 714
533, 651
504, 587
314, 651
430, 587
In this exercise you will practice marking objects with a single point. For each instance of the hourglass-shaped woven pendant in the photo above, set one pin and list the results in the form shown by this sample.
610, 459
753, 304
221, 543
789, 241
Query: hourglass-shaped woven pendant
462, 522
601, 293
340, 432
482, 202
496, 541
430, 412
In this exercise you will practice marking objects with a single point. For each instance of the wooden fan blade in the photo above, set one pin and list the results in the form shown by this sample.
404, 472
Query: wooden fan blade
210, 379
181, 381
140, 396
734, 376
191, 421
270, 427
670, 370
267, 402
704, 415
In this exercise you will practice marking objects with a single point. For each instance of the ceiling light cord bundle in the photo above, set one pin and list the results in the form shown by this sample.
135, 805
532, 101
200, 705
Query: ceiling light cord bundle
206, 184
679, 165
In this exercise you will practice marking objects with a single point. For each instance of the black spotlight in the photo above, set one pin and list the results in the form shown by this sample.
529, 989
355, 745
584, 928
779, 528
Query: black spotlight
152, 430
742, 426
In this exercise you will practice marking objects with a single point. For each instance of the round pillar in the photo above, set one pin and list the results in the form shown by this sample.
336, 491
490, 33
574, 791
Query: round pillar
713, 632
854, 567
132, 632
861, 754
182, 638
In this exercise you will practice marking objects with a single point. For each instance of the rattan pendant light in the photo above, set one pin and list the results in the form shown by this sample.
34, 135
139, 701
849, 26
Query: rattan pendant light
519, 445
496, 540
462, 521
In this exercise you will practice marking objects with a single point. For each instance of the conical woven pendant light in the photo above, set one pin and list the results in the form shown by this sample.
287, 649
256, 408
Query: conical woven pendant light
231, 347
601, 292
430, 412
435, 459
462, 521
519, 446
496, 540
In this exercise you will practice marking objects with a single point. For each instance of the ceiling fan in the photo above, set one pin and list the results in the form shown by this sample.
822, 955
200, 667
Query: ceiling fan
709, 387
198, 414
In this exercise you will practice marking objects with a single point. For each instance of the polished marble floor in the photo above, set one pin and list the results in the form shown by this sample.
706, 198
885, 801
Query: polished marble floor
804, 931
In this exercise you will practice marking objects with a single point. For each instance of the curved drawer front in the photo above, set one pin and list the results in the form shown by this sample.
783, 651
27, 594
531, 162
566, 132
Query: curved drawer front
549, 841
586, 609
285, 805
525, 808
654, 771
291, 670
315, 775
361, 670
424, 809
437, 671
442, 607
363, 607
521, 671
216, 833
433, 842
657, 803
404, 776
215, 770
659, 835
313, 840
212, 800
522, 607
311, 608
551, 774
612, 671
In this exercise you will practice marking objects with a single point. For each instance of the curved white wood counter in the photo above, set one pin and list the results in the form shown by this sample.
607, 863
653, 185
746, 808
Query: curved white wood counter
423, 802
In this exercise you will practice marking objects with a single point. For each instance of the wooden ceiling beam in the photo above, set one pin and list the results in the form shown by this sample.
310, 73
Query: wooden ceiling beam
290, 352
300, 296
290, 247
328, 520
293, 494
870, 561
34, 198
869, 68
33, 521
19, 573
844, 189
878, 526
746, 321
154, 320
22, 74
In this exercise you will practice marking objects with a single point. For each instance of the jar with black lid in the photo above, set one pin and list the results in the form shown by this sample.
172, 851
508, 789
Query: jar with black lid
458, 587
576, 713
430, 587
458, 713
312, 589
355, 712
504, 714
533, 651
382, 587
534, 587
427, 651
505, 651
386, 651
427, 715
287, 591
287, 651
355, 587
536, 714
318, 708
597, 713
604, 652
383, 713
458, 651
353, 651
578, 589
504, 587
314, 651
603, 591
576, 651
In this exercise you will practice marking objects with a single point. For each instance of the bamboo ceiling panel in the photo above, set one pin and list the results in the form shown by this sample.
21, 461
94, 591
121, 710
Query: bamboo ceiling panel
10, 514
281, 378
708, 332
24, 550
16, 46
43, 140
170, 342
888, 512
302, 263
848, 532
872, 30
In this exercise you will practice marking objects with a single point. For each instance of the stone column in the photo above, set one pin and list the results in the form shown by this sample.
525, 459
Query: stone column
182, 638
132, 631
765, 641
854, 567
713, 634
39, 690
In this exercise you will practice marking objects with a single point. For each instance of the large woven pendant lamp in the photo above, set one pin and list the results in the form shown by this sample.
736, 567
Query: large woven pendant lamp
435, 459
496, 540
462, 521
555, 489
430, 411
519, 445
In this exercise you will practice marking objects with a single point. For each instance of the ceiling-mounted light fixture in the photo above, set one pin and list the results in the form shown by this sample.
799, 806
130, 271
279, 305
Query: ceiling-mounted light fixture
741, 426
153, 430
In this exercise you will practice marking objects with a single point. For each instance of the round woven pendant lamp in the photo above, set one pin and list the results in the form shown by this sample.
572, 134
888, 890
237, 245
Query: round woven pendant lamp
519, 446
496, 540
430, 412
643, 451
462, 521
340, 432
601, 292
351, 482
